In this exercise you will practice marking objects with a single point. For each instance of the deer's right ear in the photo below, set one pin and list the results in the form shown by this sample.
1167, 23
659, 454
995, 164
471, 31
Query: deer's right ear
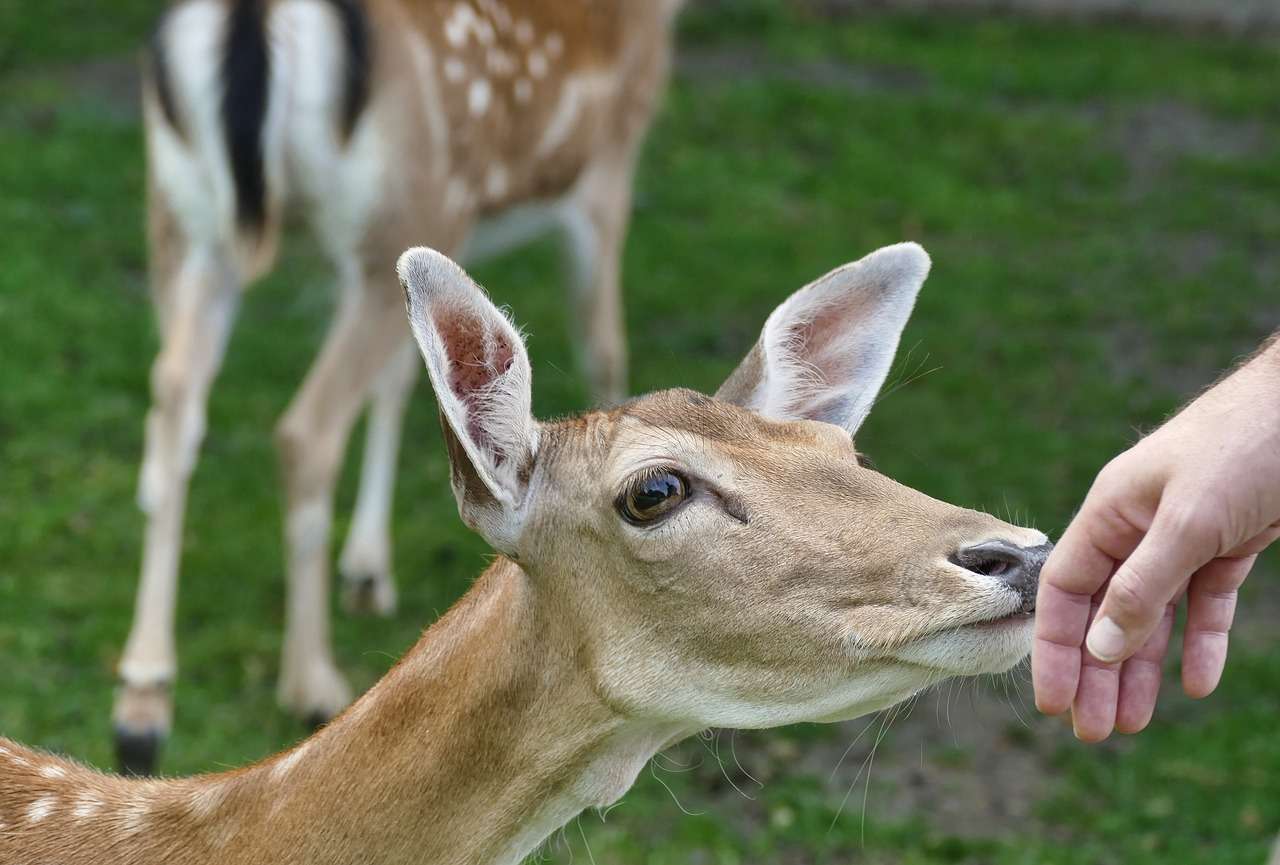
480, 371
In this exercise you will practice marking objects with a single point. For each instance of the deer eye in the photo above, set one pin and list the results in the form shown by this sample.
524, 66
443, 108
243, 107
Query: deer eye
651, 496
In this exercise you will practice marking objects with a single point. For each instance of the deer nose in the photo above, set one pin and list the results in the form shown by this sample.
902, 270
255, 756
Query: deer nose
1017, 567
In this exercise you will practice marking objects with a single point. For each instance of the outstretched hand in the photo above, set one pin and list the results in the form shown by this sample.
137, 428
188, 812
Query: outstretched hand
1182, 514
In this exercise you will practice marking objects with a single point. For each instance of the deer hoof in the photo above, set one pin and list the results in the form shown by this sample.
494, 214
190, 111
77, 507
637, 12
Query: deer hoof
366, 594
138, 753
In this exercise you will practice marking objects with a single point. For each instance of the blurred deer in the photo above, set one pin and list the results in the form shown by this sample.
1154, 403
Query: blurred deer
678, 562
471, 125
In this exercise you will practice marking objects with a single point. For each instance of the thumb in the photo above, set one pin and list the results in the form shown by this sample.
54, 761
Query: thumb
1173, 549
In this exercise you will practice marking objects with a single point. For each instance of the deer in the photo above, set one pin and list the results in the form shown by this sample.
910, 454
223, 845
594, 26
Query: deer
672, 563
474, 124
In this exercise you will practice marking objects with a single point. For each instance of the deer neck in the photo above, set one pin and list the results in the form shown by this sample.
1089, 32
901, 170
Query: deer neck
485, 739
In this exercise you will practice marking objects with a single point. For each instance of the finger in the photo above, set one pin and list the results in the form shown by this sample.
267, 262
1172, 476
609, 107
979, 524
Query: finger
1093, 711
1079, 565
1093, 714
1211, 608
1055, 652
1256, 544
1140, 678
1173, 549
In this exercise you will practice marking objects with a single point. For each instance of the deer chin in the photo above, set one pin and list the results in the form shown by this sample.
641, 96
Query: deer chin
992, 645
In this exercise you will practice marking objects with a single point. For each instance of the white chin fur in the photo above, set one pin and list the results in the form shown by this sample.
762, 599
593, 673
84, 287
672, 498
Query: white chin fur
972, 649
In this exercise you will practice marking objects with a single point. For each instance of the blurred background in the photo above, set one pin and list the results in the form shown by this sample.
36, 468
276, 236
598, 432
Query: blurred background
1099, 185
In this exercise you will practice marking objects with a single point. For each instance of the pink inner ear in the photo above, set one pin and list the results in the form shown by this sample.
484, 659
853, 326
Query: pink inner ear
821, 343
477, 357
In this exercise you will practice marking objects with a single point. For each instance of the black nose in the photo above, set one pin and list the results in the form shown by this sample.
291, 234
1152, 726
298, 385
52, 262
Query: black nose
1016, 567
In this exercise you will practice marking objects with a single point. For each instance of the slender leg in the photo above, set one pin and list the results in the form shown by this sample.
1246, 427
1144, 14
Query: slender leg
199, 308
365, 563
595, 229
368, 330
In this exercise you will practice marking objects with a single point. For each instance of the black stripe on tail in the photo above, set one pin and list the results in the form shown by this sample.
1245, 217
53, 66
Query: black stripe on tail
246, 71
359, 50
246, 68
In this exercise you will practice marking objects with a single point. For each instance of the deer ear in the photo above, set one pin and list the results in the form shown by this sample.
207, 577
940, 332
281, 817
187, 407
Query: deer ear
480, 371
825, 352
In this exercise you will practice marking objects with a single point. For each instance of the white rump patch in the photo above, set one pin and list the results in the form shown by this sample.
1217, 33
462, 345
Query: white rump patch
41, 808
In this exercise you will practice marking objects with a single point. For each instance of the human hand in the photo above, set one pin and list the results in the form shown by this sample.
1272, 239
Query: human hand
1185, 511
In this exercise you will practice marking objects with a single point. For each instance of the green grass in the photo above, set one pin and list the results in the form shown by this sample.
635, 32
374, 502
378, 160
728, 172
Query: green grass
1101, 205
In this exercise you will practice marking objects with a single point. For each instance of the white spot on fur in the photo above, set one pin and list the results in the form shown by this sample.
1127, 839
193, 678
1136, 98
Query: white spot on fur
286, 764
554, 44
53, 771
500, 62
456, 195
86, 806
524, 31
208, 798
133, 816
454, 69
495, 182
459, 24
479, 95
41, 808
537, 64
523, 89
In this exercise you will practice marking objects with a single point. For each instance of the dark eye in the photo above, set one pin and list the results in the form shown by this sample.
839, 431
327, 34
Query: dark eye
652, 496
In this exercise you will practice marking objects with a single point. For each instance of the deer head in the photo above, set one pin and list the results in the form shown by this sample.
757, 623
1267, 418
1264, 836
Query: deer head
730, 560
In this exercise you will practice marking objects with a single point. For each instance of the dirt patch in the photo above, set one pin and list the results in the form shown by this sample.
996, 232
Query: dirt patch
1239, 17
751, 62
1153, 136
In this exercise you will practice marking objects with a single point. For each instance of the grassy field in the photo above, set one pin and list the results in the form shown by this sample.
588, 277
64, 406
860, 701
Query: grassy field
1102, 206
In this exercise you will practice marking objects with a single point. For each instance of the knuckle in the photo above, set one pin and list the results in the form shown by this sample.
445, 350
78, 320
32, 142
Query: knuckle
1126, 598
1192, 524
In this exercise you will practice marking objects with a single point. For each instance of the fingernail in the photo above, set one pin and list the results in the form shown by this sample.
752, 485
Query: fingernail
1105, 641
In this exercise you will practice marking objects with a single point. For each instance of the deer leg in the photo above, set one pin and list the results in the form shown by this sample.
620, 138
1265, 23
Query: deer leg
199, 307
365, 563
312, 437
595, 228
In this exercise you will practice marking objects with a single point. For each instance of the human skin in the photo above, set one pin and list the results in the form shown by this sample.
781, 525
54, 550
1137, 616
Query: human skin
1181, 515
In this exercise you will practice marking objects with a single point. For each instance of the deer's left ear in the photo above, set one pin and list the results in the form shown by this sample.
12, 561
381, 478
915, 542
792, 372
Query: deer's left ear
479, 369
825, 352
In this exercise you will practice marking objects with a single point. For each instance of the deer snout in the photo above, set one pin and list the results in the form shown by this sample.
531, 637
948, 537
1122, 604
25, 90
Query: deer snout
1017, 567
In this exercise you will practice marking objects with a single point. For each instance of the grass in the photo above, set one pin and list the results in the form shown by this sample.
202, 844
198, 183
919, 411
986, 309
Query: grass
1101, 205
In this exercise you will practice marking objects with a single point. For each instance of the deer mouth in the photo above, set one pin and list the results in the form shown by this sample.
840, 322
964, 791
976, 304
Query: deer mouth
1009, 620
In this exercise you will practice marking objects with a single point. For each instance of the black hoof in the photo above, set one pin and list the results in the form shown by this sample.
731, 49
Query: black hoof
315, 720
137, 753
